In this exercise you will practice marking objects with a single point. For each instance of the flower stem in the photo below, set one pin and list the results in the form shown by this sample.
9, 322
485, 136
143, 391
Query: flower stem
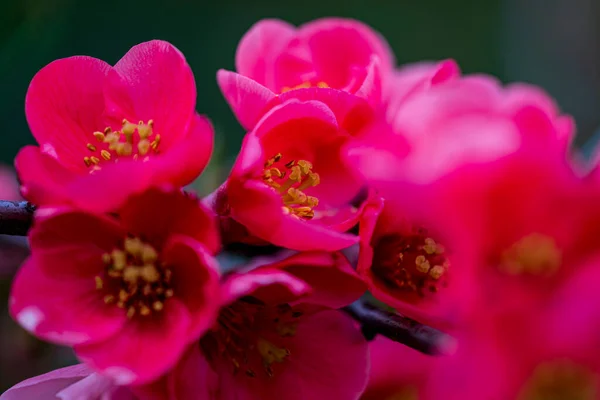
15, 217
376, 321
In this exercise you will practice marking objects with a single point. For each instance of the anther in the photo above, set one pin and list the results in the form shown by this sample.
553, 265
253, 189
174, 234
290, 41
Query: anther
91, 147
99, 136
99, 282
94, 160
105, 154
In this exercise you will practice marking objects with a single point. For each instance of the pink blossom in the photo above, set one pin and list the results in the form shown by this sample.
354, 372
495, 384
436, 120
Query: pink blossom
397, 371
274, 58
128, 292
550, 352
289, 185
86, 115
274, 341
71, 383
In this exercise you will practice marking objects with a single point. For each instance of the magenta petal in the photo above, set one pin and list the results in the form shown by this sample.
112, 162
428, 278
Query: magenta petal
64, 106
43, 178
187, 158
247, 98
329, 359
193, 378
179, 214
48, 385
260, 211
334, 282
94, 387
271, 285
61, 311
70, 243
144, 349
259, 48
195, 281
338, 44
153, 82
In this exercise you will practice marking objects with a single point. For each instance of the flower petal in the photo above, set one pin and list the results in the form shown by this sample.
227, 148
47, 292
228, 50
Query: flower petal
195, 280
43, 178
144, 349
48, 385
64, 107
260, 47
160, 212
61, 311
153, 82
247, 98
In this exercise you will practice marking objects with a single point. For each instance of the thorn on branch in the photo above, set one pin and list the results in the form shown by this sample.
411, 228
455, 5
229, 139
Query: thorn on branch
375, 321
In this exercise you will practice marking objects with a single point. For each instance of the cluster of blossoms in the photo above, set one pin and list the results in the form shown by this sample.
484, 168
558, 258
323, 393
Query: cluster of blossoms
452, 199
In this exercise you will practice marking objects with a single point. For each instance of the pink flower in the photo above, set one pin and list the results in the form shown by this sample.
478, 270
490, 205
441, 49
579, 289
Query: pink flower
9, 187
273, 340
289, 185
465, 187
549, 352
71, 383
275, 58
129, 293
87, 115
397, 371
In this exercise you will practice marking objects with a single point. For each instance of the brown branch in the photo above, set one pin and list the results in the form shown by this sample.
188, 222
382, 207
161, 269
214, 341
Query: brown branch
375, 321
16, 217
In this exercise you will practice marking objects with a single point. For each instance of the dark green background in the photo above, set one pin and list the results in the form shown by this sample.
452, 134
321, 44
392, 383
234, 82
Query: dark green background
552, 43
506, 38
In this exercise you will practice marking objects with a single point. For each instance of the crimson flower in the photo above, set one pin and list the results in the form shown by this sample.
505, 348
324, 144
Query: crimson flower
129, 293
397, 371
86, 116
289, 185
277, 337
276, 60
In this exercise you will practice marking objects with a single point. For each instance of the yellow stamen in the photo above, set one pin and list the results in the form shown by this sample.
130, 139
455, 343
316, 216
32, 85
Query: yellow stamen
105, 154
91, 147
99, 136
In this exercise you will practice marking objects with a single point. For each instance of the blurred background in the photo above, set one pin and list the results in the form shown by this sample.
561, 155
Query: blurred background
550, 43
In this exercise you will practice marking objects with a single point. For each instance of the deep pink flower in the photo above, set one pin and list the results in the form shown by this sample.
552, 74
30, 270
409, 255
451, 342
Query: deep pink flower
551, 352
87, 115
71, 383
128, 292
274, 340
397, 371
466, 190
289, 185
274, 57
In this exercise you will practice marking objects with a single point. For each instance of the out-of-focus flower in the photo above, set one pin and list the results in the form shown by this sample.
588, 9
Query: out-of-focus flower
87, 115
273, 340
274, 58
397, 371
289, 185
128, 292
9, 187
548, 353
71, 383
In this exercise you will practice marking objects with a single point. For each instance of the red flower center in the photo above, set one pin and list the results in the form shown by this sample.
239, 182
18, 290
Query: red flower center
134, 279
559, 380
412, 262
304, 85
132, 140
290, 180
251, 336
535, 254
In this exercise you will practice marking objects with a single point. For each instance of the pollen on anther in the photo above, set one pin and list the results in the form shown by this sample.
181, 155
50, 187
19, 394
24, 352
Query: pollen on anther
91, 147
99, 136
105, 154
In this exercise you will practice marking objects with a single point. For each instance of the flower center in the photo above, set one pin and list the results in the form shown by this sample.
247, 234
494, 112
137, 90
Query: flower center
134, 279
123, 143
534, 254
249, 336
304, 85
560, 380
412, 262
290, 180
